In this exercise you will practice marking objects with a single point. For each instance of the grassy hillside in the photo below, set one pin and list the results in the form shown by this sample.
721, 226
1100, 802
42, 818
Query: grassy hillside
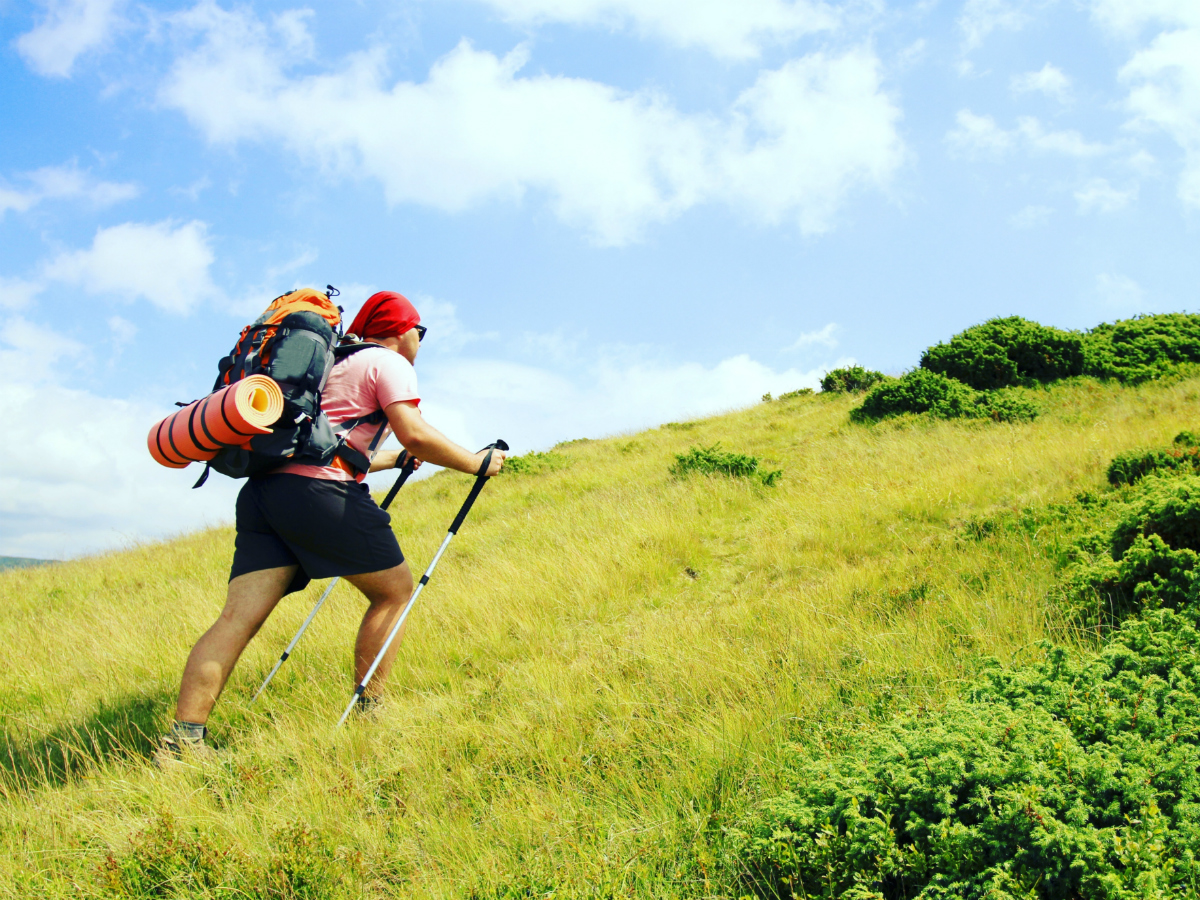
604, 675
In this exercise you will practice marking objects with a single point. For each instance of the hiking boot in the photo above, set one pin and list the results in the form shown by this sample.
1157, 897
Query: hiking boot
182, 747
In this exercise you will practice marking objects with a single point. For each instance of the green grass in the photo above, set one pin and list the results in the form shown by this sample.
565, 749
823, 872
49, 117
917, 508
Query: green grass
605, 672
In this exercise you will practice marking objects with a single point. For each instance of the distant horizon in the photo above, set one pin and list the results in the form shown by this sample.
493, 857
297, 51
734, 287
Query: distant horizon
20, 562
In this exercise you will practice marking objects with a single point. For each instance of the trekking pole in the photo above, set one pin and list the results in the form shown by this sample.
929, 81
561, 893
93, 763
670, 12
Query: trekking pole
481, 478
409, 464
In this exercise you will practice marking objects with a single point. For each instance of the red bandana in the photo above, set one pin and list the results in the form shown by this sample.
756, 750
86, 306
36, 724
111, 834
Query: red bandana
386, 314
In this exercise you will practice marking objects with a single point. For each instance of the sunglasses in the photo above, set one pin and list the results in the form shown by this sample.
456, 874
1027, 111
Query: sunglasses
421, 329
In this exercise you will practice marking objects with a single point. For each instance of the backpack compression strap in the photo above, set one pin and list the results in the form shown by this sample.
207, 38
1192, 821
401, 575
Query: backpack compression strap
360, 462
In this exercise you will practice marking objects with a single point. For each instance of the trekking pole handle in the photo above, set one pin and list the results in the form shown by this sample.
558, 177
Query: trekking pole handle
481, 478
407, 463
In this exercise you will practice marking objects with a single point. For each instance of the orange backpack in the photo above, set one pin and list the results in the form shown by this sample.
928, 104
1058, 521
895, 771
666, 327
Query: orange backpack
295, 342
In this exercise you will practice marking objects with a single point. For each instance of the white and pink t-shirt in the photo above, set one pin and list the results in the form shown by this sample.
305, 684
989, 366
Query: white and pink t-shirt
363, 383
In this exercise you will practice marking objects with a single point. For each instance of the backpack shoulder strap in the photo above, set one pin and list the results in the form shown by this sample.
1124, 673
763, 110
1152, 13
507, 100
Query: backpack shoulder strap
344, 350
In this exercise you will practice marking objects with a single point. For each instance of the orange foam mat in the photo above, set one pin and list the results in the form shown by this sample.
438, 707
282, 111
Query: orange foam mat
225, 418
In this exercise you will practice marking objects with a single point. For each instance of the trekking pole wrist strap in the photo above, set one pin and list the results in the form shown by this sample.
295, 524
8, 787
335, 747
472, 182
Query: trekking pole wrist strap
487, 460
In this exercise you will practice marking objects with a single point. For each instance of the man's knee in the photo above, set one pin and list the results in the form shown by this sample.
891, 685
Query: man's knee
252, 597
394, 585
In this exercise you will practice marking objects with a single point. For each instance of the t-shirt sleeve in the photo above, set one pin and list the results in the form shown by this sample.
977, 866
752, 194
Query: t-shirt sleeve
395, 380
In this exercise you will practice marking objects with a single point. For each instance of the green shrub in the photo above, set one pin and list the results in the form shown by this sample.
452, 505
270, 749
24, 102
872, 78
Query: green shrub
799, 392
1005, 352
1169, 508
1146, 559
715, 461
304, 866
165, 861
1076, 777
1126, 468
1141, 348
850, 380
534, 463
922, 391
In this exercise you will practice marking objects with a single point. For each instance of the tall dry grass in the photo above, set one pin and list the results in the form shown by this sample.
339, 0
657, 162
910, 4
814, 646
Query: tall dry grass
602, 673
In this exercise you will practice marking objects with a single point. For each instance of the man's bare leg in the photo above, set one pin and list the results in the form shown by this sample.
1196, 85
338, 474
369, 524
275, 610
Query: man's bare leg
250, 600
388, 592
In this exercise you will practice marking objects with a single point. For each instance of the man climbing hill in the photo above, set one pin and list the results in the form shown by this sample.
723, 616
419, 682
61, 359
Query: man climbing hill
300, 522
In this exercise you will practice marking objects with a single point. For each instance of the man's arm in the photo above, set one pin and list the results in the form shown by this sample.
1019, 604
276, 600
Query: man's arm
388, 459
426, 443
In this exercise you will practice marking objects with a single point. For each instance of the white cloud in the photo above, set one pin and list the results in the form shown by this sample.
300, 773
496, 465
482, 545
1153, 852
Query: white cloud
824, 337
821, 127
1164, 76
1048, 80
732, 30
165, 263
1031, 217
980, 18
17, 293
1100, 196
95, 486
978, 134
1067, 143
1119, 293
789, 149
68, 29
29, 352
912, 55
981, 135
92, 485
63, 182
609, 391
1129, 17
123, 332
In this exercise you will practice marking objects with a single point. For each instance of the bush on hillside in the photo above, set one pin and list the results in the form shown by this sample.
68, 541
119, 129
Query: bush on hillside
799, 392
1127, 468
850, 380
790, 395
534, 463
1168, 508
715, 461
1005, 352
922, 391
1142, 348
1148, 559
166, 860
1076, 777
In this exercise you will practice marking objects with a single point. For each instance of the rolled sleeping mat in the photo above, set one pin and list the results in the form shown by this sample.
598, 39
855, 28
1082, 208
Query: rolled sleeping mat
225, 418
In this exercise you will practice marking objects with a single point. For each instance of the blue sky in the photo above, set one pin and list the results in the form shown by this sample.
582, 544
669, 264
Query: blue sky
611, 213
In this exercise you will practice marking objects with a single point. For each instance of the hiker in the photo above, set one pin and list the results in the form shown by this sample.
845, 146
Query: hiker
300, 521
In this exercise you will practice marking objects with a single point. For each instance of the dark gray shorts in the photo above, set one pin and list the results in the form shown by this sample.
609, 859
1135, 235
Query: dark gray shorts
328, 528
